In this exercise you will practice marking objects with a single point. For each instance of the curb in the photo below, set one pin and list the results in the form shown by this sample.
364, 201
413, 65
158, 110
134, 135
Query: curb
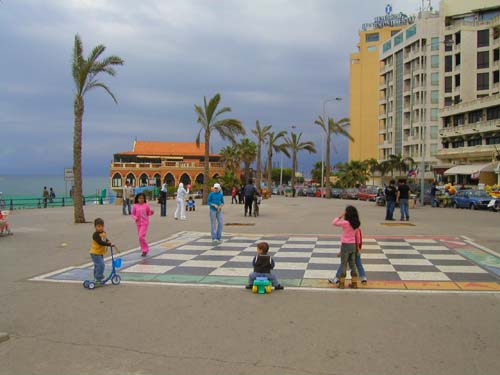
4, 336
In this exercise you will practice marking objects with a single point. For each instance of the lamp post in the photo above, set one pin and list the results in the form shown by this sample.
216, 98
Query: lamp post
338, 99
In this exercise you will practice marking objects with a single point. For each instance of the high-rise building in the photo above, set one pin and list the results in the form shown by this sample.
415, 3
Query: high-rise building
409, 94
364, 83
469, 94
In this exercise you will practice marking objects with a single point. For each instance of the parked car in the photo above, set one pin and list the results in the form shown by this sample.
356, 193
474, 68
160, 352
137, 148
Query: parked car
310, 191
335, 192
349, 194
369, 193
473, 199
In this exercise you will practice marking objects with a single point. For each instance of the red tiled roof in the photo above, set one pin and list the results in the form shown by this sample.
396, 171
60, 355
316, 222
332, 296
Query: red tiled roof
167, 149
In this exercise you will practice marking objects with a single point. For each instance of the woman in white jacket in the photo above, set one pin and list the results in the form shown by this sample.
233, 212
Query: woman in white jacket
181, 197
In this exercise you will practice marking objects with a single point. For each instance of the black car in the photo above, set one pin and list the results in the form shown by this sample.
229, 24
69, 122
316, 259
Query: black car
335, 192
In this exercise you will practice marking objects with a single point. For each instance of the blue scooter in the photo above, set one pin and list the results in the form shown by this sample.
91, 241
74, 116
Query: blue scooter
113, 276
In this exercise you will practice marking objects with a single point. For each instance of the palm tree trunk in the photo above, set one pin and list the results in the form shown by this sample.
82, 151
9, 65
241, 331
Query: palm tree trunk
328, 166
77, 161
269, 172
259, 167
294, 166
206, 170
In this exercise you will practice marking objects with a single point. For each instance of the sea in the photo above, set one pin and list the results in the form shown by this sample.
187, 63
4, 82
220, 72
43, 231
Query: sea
32, 186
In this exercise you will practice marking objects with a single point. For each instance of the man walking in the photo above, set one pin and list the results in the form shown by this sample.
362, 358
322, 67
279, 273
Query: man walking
433, 194
249, 191
128, 195
45, 195
390, 200
403, 197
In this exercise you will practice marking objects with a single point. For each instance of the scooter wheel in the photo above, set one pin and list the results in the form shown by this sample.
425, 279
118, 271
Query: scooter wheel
91, 285
86, 284
116, 279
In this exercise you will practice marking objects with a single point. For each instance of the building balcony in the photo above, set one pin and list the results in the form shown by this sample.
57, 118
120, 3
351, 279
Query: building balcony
165, 164
472, 105
474, 152
457, 25
469, 129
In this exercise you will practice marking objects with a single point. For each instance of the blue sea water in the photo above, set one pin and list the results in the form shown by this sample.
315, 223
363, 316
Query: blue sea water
32, 186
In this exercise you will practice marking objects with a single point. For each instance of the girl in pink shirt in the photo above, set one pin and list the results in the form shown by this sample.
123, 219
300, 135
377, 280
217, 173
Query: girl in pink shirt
351, 236
141, 213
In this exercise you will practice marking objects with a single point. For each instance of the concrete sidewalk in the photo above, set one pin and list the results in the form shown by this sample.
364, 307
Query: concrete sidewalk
61, 328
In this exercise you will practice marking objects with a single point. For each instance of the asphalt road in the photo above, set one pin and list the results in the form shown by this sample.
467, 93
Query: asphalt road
139, 329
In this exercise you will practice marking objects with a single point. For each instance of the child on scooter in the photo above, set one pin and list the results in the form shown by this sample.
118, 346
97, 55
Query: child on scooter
98, 249
262, 266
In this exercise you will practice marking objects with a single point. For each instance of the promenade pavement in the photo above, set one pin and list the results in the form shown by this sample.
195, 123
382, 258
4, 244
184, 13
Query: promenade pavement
180, 329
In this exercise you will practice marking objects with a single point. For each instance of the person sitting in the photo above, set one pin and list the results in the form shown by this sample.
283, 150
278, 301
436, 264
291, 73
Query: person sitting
190, 204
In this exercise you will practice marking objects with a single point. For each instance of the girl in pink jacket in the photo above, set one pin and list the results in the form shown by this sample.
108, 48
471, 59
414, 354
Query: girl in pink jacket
141, 213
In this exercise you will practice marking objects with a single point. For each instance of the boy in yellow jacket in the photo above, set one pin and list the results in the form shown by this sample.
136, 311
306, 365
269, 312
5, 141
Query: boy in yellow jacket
98, 249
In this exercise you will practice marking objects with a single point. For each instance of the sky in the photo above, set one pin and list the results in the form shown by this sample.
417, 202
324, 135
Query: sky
275, 61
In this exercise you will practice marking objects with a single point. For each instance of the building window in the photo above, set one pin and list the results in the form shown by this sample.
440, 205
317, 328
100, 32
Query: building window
448, 84
411, 31
434, 148
483, 59
394, 32
493, 113
475, 116
457, 144
457, 80
495, 76
434, 96
117, 180
434, 132
435, 44
448, 101
448, 63
372, 48
448, 43
496, 32
496, 54
398, 39
435, 79
372, 37
387, 46
493, 140
458, 120
446, 122
457, 99
483, 38
474, 142
483, 81
434, 114
435, 61
458, 38
457, 59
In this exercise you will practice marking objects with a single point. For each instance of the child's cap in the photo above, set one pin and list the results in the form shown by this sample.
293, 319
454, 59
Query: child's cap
216, 186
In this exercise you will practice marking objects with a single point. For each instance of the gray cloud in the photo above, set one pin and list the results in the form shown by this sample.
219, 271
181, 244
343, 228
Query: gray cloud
271, 60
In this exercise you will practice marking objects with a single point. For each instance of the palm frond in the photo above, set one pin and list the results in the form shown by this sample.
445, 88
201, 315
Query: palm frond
212, 105
96, 52
102, 85
198, 138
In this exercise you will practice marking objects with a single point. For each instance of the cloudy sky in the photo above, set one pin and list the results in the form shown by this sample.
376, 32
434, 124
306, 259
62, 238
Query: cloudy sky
275, 61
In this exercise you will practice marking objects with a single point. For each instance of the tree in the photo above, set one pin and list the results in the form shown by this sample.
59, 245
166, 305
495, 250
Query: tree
316, 171
400, 163
372, 167
294, 144
352, 173
226, 128
332, 128
85, 73
286, 173
231, 157
248, 153
273, 145
261, 133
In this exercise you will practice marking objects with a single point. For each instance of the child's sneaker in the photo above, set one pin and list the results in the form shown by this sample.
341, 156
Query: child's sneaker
144, 254
364, 280
248, 286
279, 287
335, 280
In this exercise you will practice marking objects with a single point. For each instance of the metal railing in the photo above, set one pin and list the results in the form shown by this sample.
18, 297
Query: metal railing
21, 203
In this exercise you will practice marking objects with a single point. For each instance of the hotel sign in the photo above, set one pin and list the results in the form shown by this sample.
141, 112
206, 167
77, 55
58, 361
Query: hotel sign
68, 174
389, 19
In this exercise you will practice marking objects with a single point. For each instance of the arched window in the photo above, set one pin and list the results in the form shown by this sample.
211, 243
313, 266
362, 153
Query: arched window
185, 179
199, 179
144, 180
131, 179
216, 176
117, 180
157, 179
169, 179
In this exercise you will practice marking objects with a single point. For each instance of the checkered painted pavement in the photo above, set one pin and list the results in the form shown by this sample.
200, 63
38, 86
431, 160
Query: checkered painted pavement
415, 262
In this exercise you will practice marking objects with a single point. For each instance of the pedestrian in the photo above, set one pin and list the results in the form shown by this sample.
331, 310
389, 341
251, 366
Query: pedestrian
240, 194
349, 222
52, 195
359, 263
433, 194
128, 195
180, 211
216, 202
390, 200
99, 246
45, 195
403, 197
141, 213
234, 195
190, 204
263, 264
162, 199
248, 192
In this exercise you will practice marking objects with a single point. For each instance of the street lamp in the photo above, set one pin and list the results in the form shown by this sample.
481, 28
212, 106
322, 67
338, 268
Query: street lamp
338, 99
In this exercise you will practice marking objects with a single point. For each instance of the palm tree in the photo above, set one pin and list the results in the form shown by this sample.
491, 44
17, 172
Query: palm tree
247, 152
261, 134
227, 129
400, 163
352, 173
85, 72
273, 145
294, 144
332, 128
372, 167
231, 157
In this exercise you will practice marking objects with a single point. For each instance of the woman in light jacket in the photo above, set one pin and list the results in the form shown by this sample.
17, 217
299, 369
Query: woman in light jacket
181, 208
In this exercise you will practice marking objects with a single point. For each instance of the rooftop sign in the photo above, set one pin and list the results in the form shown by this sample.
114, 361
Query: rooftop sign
389, 19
